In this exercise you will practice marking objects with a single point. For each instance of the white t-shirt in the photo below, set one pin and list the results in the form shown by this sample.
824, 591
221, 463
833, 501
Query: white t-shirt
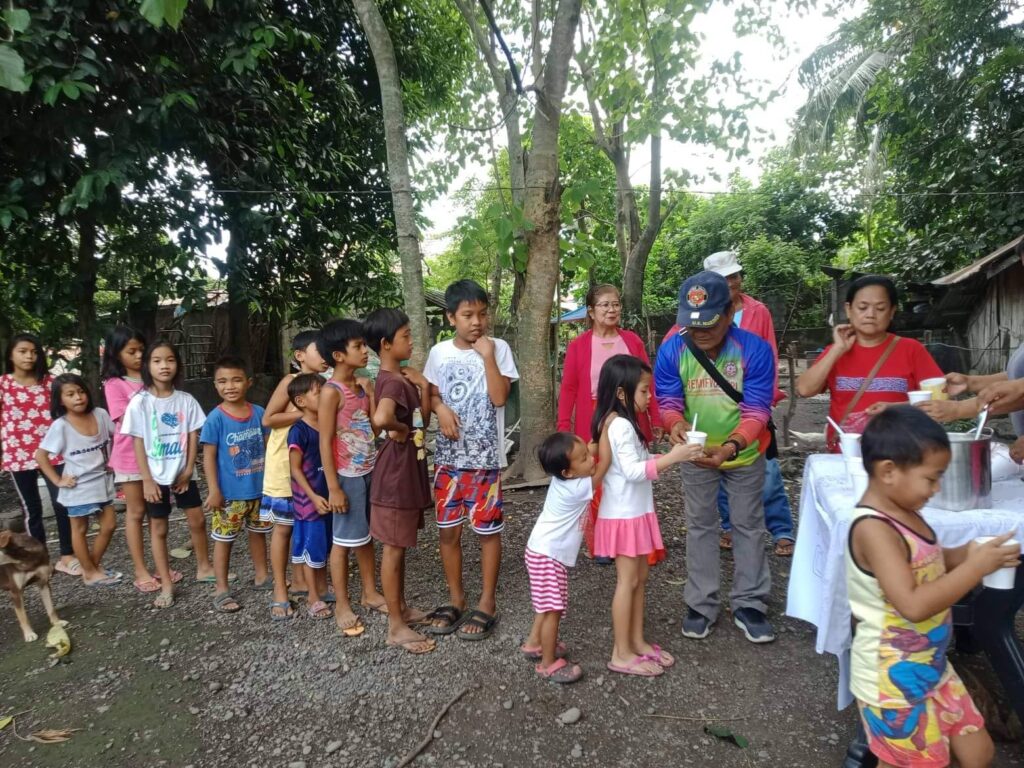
85, 457
627, 488
164, 424
558, 531
461, 378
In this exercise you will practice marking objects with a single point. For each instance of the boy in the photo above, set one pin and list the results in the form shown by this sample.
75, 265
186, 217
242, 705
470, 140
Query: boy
901, 585
349, 452
276, 506
233, 459
310, 534
554, 545
403, 490
470, 377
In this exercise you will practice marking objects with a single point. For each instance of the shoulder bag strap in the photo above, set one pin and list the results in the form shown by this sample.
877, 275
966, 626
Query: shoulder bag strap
869, 378
711, 370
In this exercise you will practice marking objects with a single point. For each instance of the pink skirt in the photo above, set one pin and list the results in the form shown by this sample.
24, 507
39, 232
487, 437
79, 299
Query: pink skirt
631, 536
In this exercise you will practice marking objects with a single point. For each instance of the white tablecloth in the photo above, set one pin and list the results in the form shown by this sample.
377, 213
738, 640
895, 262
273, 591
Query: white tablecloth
817, 580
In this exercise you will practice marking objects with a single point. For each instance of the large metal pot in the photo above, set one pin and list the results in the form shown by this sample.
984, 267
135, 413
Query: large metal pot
967, 483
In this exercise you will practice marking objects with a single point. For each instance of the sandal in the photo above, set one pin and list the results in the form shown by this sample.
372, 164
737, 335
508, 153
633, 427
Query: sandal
663, 659
534, 652
784, 548
176, 576
448, 613
560, 672
285, 606
267, 585
224, 601
153, 585
725, 541
319, 611
416, 647
639, 666
71, 568
484, 621
164, 600
109, 580
354, 629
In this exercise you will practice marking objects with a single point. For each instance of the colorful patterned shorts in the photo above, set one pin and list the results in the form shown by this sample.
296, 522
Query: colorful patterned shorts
277, 510
227, 523
918, 736
472, 493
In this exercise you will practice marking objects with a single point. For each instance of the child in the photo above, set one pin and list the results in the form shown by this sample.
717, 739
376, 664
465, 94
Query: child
403, 410
310, 534
122, 378
233, 454
276, 506
554, 545
348, 452
165, 424
627, 527
82, 434
24, 419
902, 584
470, 377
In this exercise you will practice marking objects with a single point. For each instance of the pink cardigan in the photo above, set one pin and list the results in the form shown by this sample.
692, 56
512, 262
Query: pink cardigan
574, 397
758, 320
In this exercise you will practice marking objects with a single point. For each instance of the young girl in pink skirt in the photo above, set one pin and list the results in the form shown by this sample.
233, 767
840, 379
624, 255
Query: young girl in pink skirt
627, 527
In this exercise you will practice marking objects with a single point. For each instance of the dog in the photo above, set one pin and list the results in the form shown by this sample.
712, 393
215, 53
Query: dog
24, 561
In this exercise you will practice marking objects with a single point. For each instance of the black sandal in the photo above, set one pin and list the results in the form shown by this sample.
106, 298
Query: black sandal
448, 613
484, 621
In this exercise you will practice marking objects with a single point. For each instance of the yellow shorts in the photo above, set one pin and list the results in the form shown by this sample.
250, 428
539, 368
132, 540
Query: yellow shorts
227, 523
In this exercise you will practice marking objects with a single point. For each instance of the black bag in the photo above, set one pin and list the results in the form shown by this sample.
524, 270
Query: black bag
729, 389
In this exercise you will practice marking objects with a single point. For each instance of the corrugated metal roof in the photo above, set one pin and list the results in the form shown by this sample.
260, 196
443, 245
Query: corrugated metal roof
982, 264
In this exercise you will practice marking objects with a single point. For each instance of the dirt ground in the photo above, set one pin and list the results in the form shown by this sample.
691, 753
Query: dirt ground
187, 686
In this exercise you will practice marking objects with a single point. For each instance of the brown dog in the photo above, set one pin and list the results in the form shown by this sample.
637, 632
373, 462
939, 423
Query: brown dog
24, 561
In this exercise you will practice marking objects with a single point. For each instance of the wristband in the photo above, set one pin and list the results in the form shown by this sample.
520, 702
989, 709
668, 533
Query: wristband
736, 446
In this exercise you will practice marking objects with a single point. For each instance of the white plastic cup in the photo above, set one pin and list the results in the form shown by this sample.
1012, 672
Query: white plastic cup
858, 478
697, 438
937, 387
1004, 578
849, 443
919, 396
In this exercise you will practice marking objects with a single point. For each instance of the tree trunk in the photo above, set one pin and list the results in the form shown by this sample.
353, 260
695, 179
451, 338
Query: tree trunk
541, 205
643, 241
238, 301
398, 172
84, 293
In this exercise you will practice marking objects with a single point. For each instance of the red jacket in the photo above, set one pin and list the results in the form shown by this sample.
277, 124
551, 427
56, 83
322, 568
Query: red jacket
758, 320
574, 397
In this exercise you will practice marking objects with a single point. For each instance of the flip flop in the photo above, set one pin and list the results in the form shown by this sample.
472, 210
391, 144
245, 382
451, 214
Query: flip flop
163, 600
284, 605
476, 618
220, 603
153, 585
416, 647
663, 659
560, 672
448, 613
176, 576
110, 580
232, 578
74, 568
534, 652
267, 585
355, 630
381, 608
330, 598
634, 668
319, 611
784, 548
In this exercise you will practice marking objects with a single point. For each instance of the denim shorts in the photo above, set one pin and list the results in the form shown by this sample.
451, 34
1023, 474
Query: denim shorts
352, 529
84, 510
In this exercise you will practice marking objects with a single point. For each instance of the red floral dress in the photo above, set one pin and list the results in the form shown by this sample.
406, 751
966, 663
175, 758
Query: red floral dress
24, 419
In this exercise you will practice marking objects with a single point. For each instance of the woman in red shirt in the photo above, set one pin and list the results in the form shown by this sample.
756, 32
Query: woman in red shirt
854, 356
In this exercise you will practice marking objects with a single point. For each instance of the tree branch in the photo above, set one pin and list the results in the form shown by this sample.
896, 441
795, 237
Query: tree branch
504, 47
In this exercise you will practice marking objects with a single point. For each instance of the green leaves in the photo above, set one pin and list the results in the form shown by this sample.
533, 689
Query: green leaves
12, 70
17, 19
724, 733
156, 12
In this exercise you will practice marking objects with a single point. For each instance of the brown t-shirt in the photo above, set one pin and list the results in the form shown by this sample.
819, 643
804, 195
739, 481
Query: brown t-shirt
400, 476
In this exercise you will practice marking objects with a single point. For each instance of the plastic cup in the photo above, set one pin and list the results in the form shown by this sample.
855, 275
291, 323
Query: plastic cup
919, 396
1004, 578
937, 387
849, 443
697, 438
858, 478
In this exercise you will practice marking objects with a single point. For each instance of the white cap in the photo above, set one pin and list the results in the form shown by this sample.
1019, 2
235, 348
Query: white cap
724, 263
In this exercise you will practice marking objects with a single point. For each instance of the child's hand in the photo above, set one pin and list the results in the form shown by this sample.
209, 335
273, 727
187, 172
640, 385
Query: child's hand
715, 457
994, 554
484, 346
181, 484
338, 502
214, 500
67, 481
685, 452
414, 376
151, 492
323, 506
365, 383
399, 435
449, 422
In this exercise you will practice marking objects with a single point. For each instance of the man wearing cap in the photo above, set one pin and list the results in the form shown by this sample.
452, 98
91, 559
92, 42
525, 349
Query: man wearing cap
737, 438
751, 315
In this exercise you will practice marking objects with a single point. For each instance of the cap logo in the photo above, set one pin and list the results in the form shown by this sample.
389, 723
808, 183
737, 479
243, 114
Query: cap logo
697, 296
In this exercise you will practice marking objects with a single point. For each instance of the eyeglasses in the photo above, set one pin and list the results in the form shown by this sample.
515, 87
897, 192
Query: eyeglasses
604, 306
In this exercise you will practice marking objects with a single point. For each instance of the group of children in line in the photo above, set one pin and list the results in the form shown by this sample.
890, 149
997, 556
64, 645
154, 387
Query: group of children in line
302, 472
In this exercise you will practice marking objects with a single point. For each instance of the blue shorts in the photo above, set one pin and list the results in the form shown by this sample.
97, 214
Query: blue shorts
310, 542
277, 510
84, 510
352, 529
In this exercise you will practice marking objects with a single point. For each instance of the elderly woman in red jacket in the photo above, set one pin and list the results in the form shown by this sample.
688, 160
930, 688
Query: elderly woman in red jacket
583, 360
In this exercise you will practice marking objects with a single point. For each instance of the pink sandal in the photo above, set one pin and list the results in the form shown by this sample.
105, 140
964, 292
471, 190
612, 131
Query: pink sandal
663, 659
635, 667
534, 652
560, 672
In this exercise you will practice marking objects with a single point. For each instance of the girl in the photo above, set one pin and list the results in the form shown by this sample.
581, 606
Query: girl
276, 506
165, 423
122, 375
24, 419
627, 528
83, 434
